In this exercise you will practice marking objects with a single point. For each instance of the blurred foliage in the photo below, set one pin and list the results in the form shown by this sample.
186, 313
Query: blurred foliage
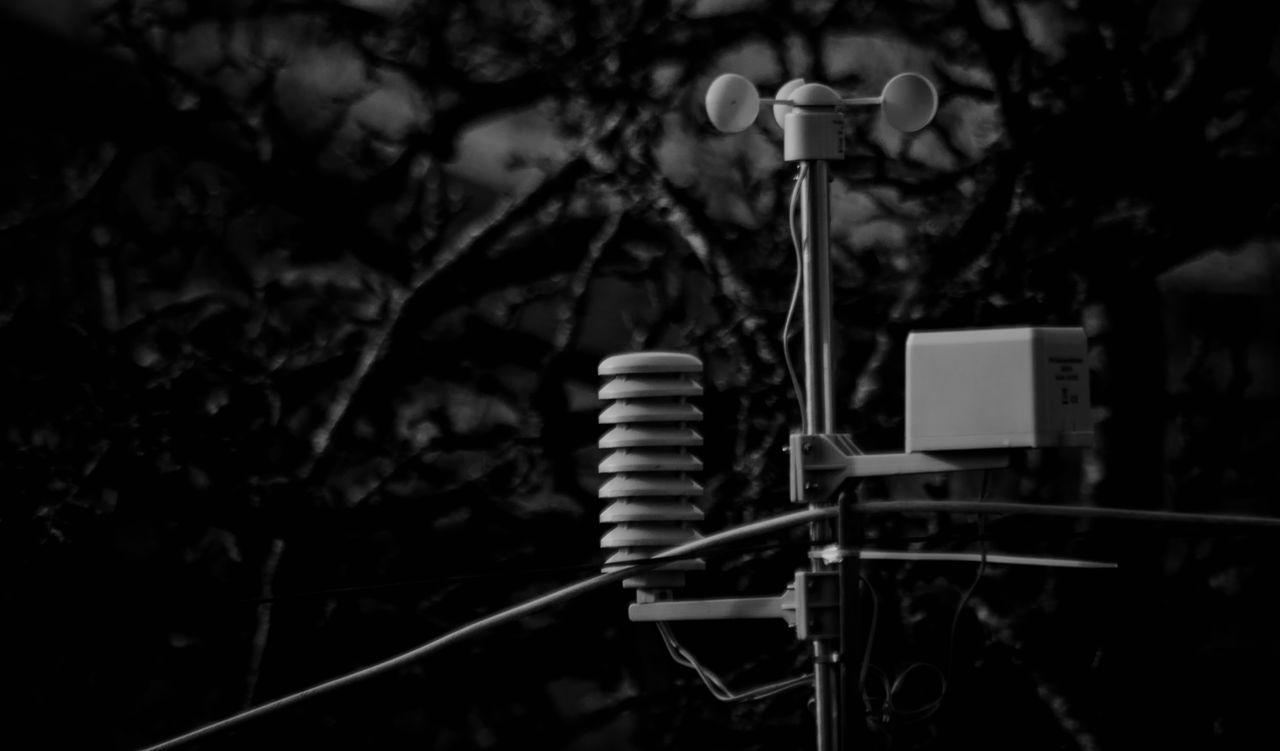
301, 302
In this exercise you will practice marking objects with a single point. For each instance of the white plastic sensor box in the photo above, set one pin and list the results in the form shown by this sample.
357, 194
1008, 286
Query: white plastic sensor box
997, 388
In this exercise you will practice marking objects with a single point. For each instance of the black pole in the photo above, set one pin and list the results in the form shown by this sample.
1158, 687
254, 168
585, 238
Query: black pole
849, 533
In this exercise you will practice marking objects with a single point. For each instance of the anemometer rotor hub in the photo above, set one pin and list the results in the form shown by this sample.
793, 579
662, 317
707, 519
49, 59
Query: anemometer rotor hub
815, 95
813, 133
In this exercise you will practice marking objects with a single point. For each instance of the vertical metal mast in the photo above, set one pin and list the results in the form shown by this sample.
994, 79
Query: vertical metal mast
815, 215
814, 134
820, 416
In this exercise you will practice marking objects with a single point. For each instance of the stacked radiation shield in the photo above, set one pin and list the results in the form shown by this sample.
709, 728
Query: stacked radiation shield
649, 461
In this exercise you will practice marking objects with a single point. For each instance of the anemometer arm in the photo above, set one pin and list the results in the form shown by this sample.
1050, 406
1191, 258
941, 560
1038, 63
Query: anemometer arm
857, 101
908, 101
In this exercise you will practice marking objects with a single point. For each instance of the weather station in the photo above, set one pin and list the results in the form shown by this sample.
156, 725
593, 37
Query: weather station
972, 397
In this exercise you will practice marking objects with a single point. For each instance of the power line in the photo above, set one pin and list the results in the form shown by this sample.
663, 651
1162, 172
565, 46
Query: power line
713, 541
577, 589
531, 573
506, 573
961, 534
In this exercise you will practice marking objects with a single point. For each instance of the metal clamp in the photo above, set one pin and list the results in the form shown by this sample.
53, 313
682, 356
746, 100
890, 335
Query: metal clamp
817, 604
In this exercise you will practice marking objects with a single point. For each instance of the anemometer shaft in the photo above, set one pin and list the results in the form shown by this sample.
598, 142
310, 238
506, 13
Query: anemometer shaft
812, 136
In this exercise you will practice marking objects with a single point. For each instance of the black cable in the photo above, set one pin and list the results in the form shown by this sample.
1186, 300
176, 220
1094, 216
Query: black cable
968, 593
1006, 511
512, 574
715, 684
871, 636
795, 295
890, 710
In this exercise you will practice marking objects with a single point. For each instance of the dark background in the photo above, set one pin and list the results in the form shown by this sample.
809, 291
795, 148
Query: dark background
301, 303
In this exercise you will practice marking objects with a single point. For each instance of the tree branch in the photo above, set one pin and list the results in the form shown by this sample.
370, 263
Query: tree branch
262, 631
680, 212
574, 308
403, 310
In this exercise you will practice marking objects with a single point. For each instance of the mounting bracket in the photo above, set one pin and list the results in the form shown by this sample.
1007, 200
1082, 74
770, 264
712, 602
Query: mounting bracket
811, 605
820, 464
716, 609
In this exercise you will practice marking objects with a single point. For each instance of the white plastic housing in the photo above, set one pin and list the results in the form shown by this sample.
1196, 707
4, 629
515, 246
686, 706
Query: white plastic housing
813, 134
997, 388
